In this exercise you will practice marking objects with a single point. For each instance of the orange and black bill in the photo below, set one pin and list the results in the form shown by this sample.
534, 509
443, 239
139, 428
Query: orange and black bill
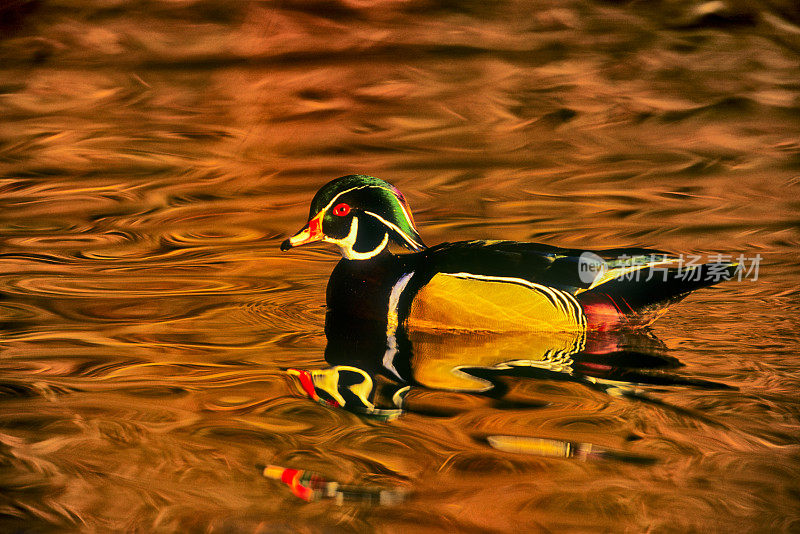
311, 232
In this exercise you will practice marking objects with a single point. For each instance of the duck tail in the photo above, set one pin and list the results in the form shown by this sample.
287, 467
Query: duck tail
637, 296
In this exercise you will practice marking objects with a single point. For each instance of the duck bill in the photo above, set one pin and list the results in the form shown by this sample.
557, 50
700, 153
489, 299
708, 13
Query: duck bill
308, 234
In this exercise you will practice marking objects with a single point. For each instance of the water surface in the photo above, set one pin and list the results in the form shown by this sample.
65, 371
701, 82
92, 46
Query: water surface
154, 155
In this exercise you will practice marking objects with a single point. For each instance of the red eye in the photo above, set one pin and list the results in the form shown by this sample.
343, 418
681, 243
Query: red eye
341, 209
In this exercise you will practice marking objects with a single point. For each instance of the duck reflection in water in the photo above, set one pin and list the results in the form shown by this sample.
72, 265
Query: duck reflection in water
361, 378
469, 316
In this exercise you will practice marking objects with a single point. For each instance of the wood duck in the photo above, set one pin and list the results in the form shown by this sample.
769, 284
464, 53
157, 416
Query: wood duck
482, 286
443, 316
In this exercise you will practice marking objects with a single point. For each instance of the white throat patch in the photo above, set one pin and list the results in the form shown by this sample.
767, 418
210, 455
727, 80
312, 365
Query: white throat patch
346, 244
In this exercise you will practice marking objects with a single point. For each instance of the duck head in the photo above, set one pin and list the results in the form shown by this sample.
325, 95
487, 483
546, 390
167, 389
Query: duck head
361, 215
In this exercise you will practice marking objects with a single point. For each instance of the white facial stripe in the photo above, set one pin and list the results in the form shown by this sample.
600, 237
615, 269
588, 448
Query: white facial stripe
349, 240
406, 214
402, 208
334, 199
416, 246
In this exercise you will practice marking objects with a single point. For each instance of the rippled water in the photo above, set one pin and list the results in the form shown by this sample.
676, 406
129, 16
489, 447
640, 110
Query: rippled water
154, 154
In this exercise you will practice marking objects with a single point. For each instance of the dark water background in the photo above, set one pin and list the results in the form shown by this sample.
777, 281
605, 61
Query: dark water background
153, 154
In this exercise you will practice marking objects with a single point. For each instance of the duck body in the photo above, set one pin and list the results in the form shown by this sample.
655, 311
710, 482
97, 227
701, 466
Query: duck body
491, 284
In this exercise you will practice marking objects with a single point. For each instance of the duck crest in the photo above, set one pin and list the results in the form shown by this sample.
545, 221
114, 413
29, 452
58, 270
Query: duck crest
360, 214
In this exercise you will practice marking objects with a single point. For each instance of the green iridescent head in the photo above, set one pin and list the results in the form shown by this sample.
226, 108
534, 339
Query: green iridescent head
361, 214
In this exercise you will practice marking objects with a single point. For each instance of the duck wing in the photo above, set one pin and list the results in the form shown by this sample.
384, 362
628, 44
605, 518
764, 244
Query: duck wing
535, 262
631, 284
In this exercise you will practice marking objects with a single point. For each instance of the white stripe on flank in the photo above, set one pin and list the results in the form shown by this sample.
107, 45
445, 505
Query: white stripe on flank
562, 299
521, 281
576, 307
392, 323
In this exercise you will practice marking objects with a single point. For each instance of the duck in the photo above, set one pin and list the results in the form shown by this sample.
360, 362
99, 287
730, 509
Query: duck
482, 285
456, 315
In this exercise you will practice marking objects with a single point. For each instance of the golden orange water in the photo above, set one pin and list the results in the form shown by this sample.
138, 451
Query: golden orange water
154, 155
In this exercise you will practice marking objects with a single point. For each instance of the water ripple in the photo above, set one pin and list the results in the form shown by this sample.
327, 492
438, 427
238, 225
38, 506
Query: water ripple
152, 159
136, 287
